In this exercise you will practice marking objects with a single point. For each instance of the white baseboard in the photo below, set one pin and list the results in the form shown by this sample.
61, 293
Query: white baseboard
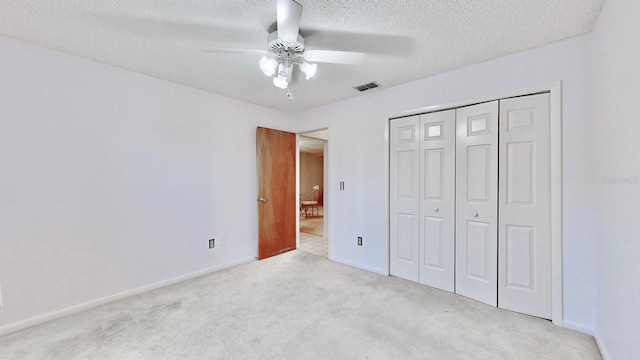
602, 347
591, 331
579, 327
107, 299
357, 265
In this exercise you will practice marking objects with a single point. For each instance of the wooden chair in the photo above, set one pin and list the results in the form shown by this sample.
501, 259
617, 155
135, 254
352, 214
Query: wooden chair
307, 206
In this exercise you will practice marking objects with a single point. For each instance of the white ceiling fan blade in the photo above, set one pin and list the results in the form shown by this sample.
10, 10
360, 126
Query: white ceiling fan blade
334, 57
289, 14
233, 51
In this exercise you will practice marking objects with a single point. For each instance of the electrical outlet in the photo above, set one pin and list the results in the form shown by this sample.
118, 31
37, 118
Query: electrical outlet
221, 241
212, 243
359, 240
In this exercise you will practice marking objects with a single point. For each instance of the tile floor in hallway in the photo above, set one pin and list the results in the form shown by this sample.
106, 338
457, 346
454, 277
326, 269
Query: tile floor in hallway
313, 244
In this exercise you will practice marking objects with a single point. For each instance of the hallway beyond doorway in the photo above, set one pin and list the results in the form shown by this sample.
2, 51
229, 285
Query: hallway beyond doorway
312, 234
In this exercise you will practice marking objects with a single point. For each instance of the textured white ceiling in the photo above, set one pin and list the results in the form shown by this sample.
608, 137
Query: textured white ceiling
403, 40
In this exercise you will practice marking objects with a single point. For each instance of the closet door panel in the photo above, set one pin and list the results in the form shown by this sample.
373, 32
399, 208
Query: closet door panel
477, 202
404, 192
525, 192
437, 200
477, 248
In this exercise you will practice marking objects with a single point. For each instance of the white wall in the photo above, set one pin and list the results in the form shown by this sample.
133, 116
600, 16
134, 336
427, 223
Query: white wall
358, 156
616, 54
113, 181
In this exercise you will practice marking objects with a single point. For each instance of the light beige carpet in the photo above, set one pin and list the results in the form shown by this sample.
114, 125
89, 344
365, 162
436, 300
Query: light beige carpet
297, 306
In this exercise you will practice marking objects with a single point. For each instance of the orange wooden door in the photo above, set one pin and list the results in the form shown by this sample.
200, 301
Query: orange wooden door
276, 159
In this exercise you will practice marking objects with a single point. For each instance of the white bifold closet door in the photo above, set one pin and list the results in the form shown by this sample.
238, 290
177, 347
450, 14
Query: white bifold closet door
437, 199
524, 238
404, 194
470, 202
477, 202
422, 199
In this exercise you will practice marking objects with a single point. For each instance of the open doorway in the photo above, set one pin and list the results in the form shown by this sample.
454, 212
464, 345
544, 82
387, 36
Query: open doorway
312, 229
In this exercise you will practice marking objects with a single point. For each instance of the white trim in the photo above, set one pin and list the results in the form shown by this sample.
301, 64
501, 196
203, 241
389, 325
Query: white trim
555, 85
326, 200
358, 265
555, 109
604, 353
297, 192
119, 296
579, 327
387, 152
555, 90
602, 347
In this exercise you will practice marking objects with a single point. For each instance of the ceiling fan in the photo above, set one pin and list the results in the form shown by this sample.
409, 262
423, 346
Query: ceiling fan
286, 48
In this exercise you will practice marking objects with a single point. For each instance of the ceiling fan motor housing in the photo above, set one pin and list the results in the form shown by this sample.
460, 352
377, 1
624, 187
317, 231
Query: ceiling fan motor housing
277, 45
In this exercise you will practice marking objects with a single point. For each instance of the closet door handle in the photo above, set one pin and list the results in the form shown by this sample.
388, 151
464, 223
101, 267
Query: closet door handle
262, 199
475, 214
436, 209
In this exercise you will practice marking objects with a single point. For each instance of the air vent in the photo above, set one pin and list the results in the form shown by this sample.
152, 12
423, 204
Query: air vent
365, 87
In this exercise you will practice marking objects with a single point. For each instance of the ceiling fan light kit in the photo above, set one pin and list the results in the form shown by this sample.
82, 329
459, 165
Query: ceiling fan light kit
309, 69
284, 66
280, 60
281, 81
286, 48
268, 65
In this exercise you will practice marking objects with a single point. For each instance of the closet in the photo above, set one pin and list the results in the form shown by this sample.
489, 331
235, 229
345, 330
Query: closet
470, 202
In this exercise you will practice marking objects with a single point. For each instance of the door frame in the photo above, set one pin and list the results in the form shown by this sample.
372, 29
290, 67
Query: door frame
326, 191
555, 112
